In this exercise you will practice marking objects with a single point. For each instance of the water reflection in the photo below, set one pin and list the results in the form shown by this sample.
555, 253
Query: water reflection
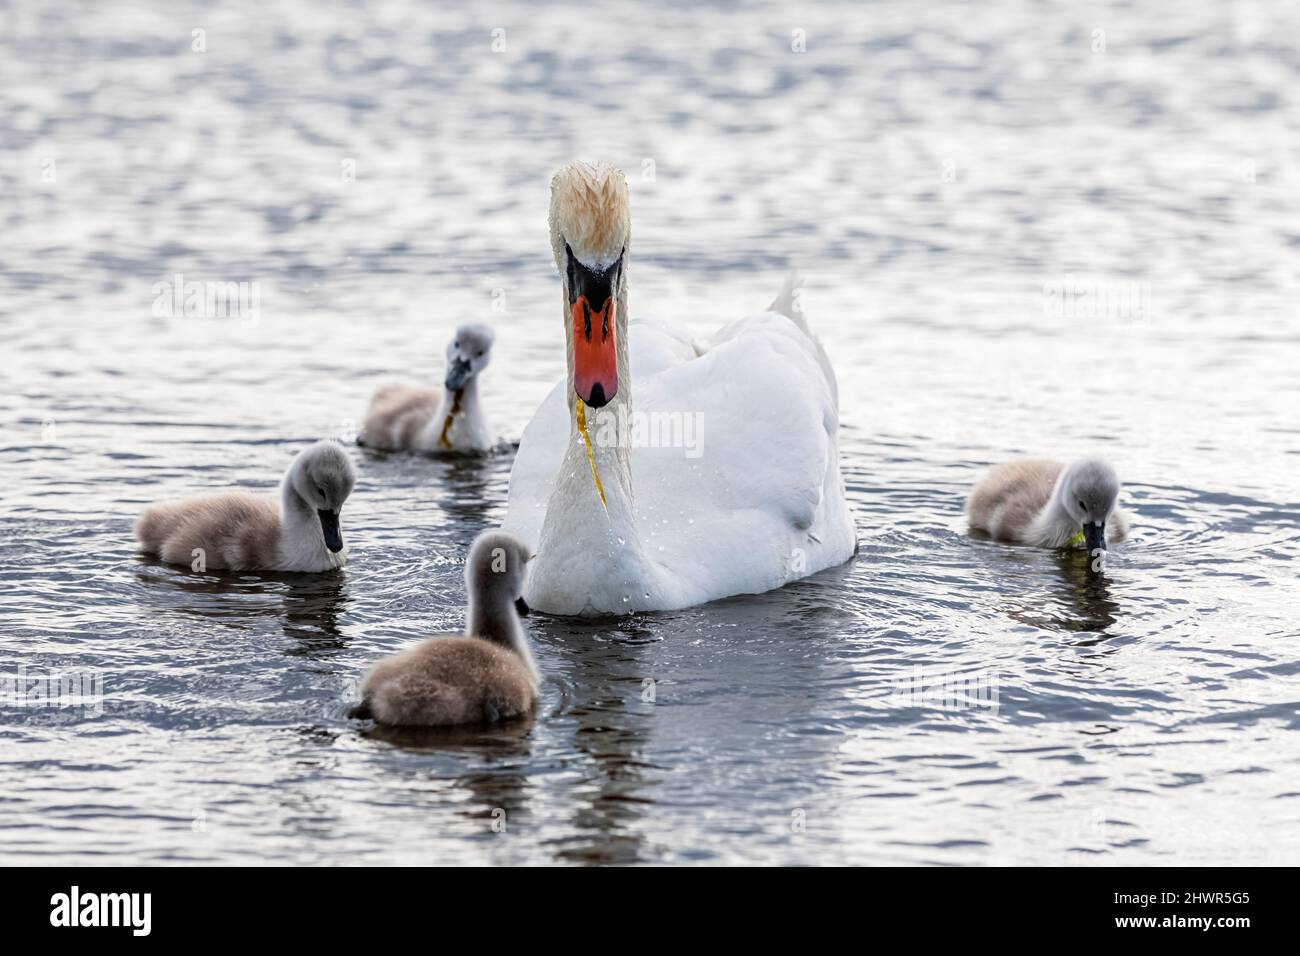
1077, 601
493, 767
468, 486
509, 739
1086, 594
609, 708
309, 604
312, 607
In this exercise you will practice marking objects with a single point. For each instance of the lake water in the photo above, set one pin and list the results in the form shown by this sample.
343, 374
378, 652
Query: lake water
1046, 229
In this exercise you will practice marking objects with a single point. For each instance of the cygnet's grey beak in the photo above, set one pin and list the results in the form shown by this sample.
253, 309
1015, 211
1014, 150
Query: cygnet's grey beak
457, 374
329, 526
1094, 535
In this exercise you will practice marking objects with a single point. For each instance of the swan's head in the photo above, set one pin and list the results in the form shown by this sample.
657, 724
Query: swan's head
1089, 490
591, 225
323, 476
494, 573
468, 353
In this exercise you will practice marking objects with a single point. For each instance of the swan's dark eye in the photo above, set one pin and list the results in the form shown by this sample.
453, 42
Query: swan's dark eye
478, 354
456, 344
1082, 506
320, 491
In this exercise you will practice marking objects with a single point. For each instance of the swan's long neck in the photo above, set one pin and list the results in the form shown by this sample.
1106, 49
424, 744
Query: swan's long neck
461, 403
1053, 527
613, 459
588, 547
301, 538
493, 617
302, 542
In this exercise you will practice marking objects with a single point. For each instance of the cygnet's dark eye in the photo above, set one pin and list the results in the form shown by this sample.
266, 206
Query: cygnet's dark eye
456, 344
1082, 506
320, 491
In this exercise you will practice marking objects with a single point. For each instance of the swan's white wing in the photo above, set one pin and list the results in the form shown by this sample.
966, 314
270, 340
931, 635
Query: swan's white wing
656, 346
758, 499
541, 451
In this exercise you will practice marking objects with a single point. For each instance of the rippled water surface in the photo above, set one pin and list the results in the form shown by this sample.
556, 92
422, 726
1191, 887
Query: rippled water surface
381, 174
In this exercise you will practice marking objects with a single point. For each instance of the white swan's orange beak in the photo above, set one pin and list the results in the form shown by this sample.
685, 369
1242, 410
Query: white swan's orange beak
592, 308
595, 359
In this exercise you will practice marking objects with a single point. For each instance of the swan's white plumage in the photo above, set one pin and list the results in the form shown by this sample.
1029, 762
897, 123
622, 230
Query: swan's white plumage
762, 505
745, 497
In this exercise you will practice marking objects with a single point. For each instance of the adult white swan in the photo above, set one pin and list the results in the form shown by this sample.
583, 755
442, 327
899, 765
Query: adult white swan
725, 479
